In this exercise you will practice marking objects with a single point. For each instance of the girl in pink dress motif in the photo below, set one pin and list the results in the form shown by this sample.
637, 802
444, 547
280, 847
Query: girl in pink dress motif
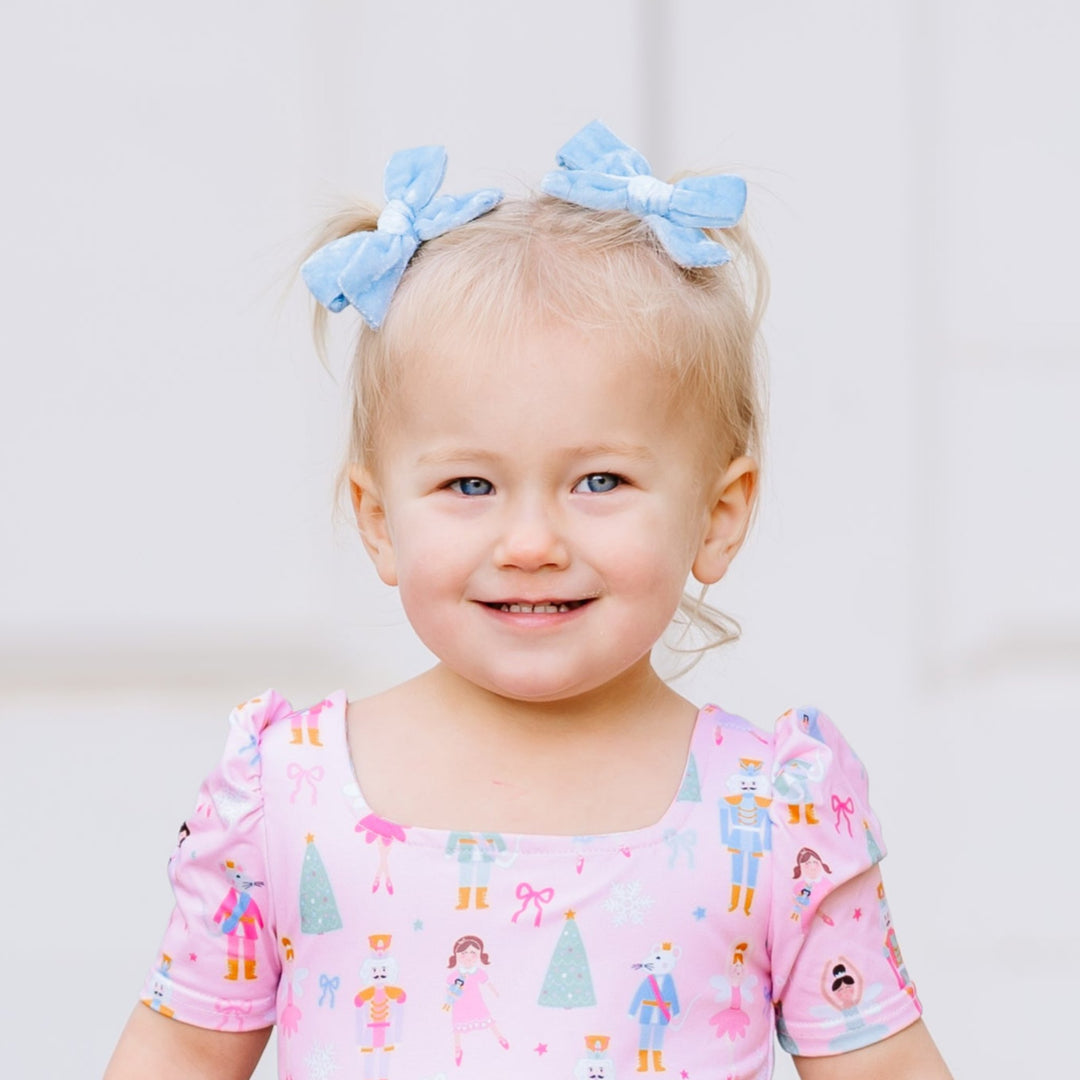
809, 878
468, 1010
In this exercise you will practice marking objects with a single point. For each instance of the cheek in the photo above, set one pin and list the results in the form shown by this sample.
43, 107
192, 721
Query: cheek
648, 556
427, 548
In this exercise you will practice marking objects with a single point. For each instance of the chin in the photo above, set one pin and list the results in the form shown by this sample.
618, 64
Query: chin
536, 691
534, 686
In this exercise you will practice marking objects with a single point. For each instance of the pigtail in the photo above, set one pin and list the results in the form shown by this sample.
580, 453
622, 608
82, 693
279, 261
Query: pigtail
359, 217
699, 628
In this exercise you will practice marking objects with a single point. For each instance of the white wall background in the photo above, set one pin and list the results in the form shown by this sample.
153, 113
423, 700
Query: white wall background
169, 441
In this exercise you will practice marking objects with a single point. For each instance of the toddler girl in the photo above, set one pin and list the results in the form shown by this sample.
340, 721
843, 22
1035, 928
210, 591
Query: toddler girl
555, 422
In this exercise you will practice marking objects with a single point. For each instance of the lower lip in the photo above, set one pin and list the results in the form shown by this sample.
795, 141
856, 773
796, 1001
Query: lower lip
536, 620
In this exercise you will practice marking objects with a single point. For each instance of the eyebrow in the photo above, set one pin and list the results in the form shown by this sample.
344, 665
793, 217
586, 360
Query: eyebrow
452, 455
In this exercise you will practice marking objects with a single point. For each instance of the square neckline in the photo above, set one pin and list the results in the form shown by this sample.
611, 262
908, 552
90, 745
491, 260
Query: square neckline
678, 809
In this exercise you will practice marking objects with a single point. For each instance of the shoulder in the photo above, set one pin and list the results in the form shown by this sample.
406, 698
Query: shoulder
258, 727
806, 742
250, 722
252, 717
804, 762
270, 707
821, 780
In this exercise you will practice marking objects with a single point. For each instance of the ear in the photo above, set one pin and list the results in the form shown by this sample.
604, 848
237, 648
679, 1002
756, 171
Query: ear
371, 521
731, 505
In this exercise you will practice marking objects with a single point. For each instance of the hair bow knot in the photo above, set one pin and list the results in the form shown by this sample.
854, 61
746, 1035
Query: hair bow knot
648, 195
396, 218
599, 171
364, 268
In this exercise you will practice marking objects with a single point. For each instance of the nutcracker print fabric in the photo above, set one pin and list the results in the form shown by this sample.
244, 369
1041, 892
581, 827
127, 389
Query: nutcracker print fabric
753, 907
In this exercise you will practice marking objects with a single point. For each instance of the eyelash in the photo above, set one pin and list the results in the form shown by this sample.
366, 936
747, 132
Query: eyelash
458, 485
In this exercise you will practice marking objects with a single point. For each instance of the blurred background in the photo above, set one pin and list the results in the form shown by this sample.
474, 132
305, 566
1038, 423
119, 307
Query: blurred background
170, 441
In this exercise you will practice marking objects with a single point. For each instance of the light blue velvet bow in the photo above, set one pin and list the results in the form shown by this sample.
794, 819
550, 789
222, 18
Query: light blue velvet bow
364, 268
600, 171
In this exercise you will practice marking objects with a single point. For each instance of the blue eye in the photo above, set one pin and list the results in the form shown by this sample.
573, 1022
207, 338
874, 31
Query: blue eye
597, 483
471, 485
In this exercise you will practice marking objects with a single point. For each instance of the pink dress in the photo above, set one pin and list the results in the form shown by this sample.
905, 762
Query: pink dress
622, 941
470, 1011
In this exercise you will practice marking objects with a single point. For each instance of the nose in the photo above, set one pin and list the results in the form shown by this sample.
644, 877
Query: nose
531, 538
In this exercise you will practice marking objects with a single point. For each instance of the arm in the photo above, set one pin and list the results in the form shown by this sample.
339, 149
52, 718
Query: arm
153, 1045
908, 1055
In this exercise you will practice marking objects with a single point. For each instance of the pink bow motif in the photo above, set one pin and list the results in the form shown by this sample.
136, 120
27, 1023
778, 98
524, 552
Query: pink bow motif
527, 894
238, 1009
844, 808
300, 774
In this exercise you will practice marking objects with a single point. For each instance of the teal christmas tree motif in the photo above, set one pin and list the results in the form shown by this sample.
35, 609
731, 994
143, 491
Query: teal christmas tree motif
872, 848
318, 908
568, 984
691, 785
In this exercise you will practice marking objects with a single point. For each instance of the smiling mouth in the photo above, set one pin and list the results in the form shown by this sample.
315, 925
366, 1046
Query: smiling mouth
545, 607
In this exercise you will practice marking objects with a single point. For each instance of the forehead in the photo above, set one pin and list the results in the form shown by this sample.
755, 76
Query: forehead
540, 385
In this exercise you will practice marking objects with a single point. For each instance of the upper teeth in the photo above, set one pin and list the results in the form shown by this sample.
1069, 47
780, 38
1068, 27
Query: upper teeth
548, 609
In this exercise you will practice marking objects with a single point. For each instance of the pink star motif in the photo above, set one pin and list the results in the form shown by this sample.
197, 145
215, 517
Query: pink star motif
857, 914
540, 1049
192, 957
685, 1075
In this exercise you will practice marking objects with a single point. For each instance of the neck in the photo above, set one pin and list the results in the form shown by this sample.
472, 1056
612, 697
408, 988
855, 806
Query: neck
638, 695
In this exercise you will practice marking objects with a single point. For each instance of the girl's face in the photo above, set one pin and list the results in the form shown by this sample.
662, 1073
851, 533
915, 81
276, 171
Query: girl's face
540, 508
468, 958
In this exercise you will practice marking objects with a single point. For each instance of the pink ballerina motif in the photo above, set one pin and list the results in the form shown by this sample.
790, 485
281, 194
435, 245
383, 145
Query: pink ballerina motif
733, 1021
290, 1016
385, 832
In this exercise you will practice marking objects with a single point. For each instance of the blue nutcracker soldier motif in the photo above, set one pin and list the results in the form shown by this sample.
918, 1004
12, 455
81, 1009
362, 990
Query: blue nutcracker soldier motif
745, 828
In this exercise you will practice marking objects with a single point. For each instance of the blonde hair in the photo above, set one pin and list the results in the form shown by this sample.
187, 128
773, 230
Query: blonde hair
541, 261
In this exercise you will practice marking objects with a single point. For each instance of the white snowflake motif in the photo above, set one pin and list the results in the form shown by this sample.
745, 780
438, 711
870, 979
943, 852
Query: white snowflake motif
230, 803
321, 1062
627, 903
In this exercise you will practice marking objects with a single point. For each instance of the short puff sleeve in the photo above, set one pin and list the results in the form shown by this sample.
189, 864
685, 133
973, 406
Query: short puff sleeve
839, 981
218, 966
